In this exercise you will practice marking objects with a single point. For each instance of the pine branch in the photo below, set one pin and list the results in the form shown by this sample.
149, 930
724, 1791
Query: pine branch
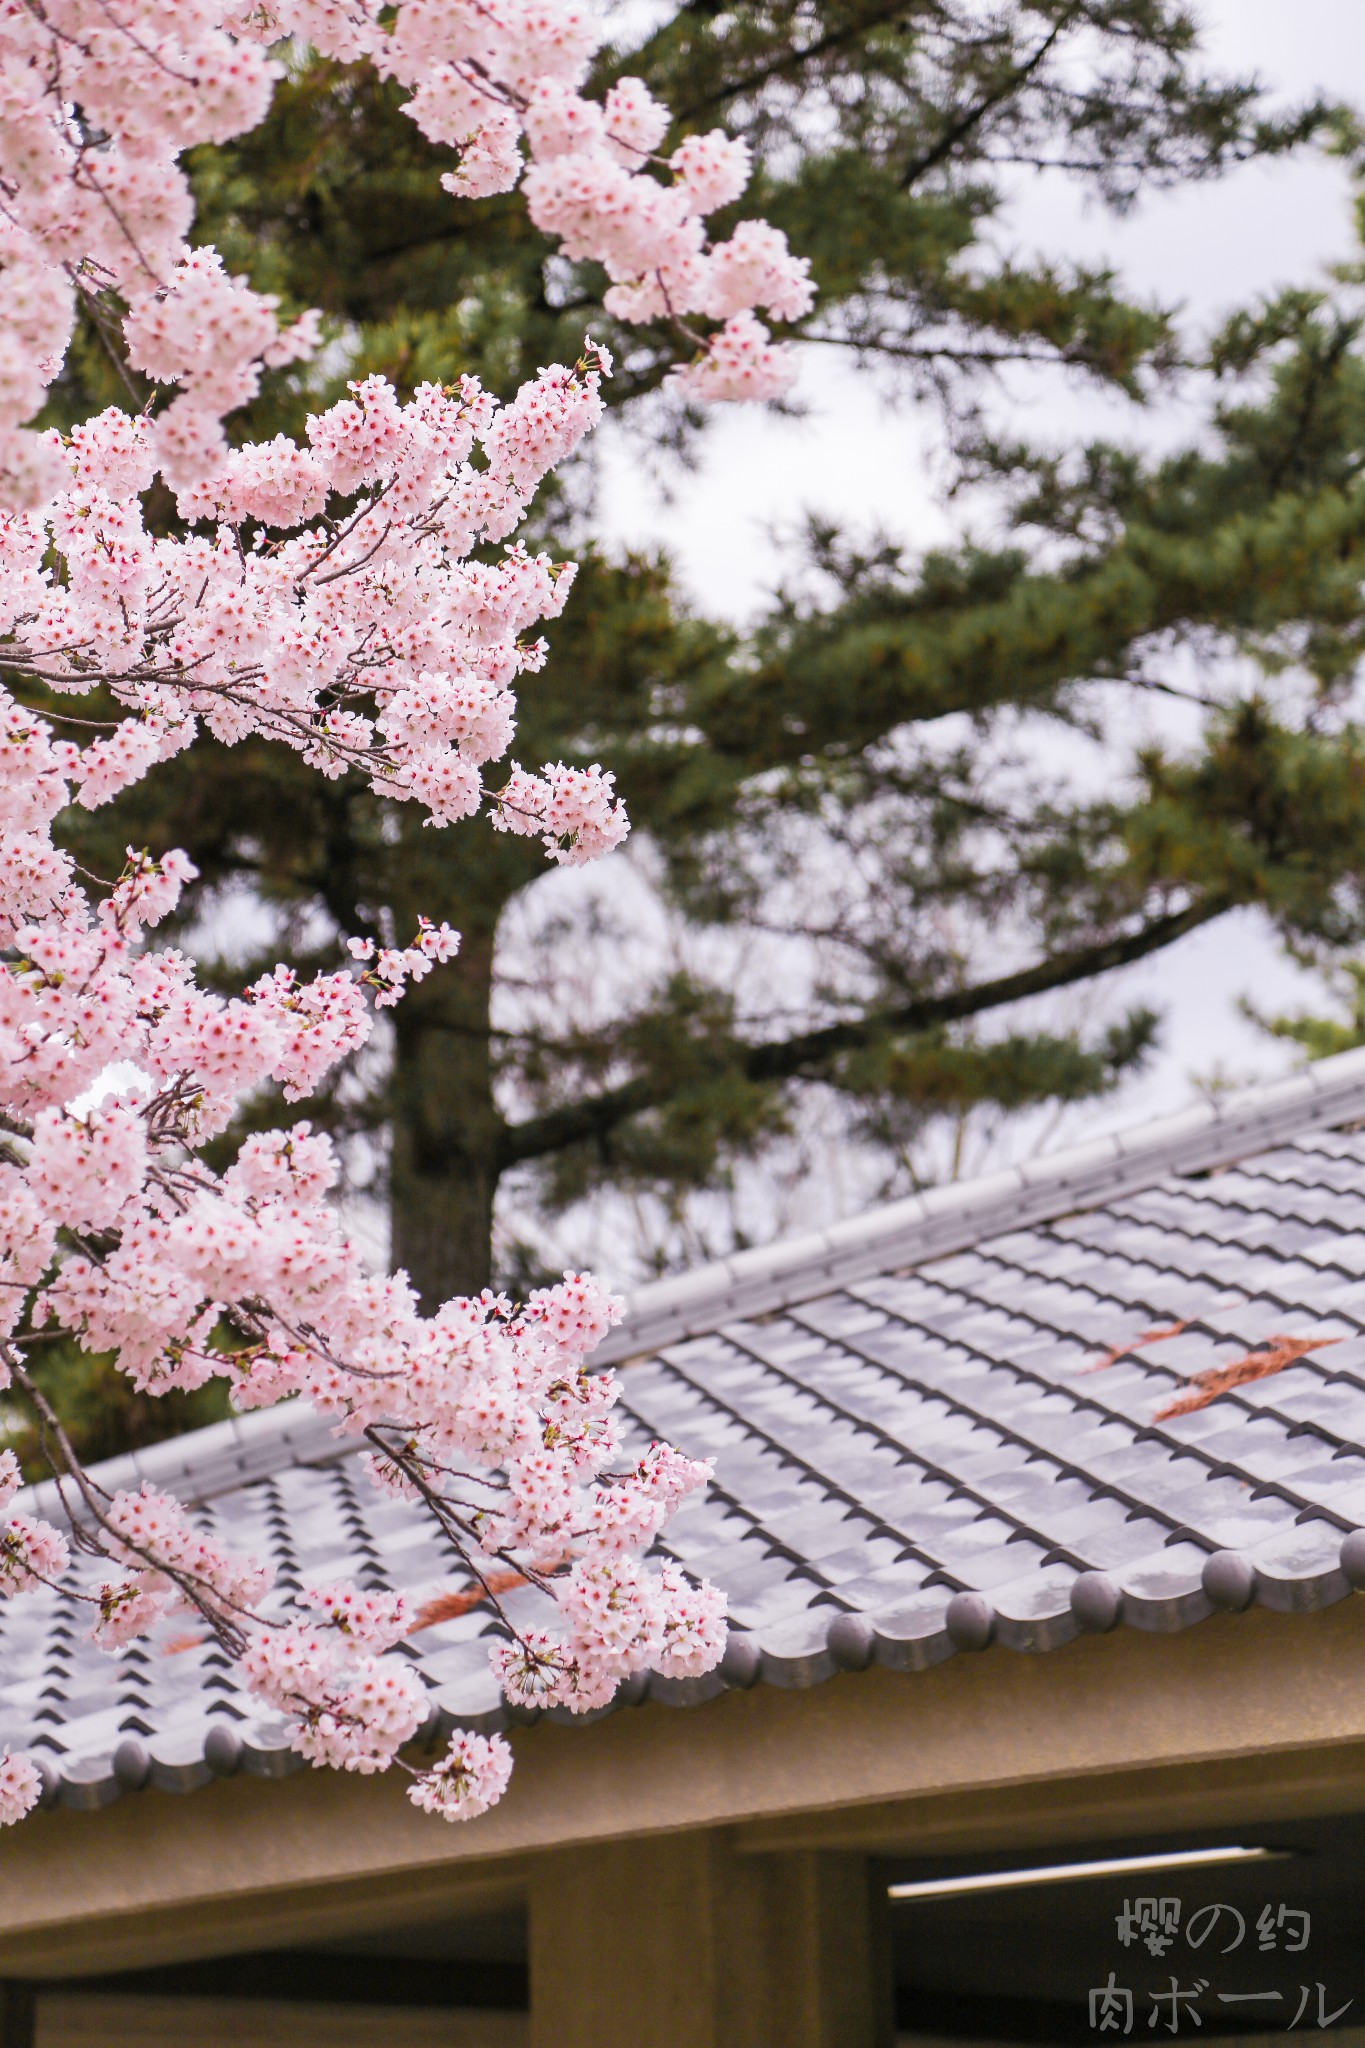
788, 61
972, 117
809, 1054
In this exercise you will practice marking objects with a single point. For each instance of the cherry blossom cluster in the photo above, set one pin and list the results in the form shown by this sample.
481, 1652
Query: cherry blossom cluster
359, 598
485, 1414
100, 98
114, 1231
471, 1777
31, 1552
167, 1560
388, 969
326, 597
20, 1787
354, 1706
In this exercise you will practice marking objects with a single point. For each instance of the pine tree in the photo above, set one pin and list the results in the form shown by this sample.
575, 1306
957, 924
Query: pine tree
1317, 1036
847, 779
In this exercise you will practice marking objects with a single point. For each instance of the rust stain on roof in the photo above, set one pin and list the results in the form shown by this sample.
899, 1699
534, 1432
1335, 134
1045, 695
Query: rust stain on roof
1118, 1351
450, 1606
1268, 1358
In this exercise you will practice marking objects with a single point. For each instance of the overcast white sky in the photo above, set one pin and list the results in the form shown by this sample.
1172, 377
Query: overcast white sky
857, 458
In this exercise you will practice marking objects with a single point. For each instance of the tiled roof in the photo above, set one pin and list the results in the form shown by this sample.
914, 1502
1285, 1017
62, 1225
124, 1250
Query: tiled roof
1120, 1387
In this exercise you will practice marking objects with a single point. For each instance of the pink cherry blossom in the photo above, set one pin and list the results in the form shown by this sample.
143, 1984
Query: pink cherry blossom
636, 122
11, 1479
712, 168
471, 1776
742, 362
353, 1711
572, 810
483, 82
87, 1169
374, 1620
20, 1787
327, 597
32, 1553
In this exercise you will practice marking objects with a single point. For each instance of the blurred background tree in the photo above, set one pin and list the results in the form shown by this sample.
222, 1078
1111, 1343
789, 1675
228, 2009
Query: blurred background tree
1318, 1035
865, 841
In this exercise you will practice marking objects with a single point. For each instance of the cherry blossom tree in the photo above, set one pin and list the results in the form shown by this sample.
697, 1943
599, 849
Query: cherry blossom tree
328, 597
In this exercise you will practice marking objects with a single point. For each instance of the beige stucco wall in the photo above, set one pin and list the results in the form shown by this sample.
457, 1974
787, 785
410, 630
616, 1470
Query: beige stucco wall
1250, 1716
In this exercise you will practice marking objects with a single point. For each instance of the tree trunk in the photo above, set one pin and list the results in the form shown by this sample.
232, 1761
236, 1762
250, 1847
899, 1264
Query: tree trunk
444, 1174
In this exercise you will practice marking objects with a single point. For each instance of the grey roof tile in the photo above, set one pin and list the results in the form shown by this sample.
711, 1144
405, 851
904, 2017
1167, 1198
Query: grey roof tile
1298, 1571
912, 1636
874, 1555
1164, 1591
1034, 1612
877, 1591
795, 1650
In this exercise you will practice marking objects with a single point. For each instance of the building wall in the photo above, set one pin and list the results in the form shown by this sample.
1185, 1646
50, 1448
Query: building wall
80, 2020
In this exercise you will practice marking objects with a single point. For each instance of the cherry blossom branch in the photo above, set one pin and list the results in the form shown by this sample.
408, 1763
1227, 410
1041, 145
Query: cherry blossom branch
326, 596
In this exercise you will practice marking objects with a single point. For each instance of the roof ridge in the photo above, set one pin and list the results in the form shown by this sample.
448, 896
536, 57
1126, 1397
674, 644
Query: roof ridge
949, 1219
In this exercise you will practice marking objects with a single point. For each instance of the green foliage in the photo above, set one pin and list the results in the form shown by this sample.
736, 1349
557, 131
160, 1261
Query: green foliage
1318, 1036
